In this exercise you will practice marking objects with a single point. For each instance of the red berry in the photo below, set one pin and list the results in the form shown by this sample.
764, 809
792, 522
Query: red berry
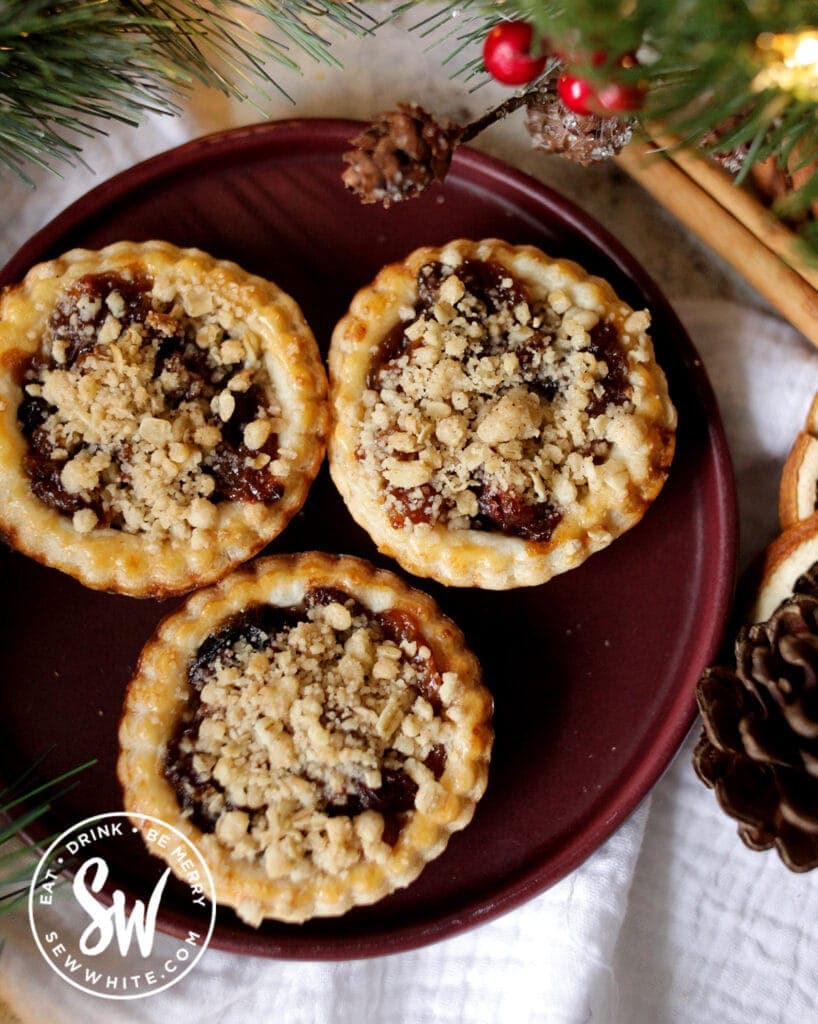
583, 97
577, 94
615, 98
507, 53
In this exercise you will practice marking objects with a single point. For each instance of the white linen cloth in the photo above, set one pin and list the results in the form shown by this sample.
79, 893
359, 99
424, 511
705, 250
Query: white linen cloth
672, 920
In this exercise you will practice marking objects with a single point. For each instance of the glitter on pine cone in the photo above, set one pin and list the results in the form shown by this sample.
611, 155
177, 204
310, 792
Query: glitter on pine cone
759, 747
399, 155
586, 139
732, 158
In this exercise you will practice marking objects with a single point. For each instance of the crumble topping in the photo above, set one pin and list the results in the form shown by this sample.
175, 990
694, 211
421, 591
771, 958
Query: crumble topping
488, 409
146, 407
311, 734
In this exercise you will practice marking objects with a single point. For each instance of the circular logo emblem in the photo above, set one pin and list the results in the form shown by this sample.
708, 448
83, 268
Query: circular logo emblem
99, 940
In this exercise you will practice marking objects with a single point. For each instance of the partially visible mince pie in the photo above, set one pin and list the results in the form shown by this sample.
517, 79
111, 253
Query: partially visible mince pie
315, 726
498, 415
162, 416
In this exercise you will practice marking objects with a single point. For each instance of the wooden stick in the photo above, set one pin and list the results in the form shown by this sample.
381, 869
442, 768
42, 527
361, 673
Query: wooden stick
719, 229
744, 206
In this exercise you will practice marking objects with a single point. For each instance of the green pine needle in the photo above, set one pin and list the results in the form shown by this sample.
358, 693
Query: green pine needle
14, 900
7, 804
698, 59
18, 865
66, 69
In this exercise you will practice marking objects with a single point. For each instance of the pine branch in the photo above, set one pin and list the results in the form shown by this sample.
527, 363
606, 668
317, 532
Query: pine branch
20, 792
699, 62
698, 58
67, 69
458, 26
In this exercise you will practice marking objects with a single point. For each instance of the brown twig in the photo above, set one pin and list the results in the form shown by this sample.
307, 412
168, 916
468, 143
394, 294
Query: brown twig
474, 128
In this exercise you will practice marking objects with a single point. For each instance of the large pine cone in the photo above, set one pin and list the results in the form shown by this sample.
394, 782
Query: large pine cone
399, 155
759, 747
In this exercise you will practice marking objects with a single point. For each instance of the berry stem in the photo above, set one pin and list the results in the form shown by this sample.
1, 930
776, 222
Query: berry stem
474, 128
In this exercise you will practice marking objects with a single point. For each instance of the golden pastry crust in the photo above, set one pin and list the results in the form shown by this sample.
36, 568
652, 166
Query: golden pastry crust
334, 752
441, 428
798, 492
168, 408
791, 554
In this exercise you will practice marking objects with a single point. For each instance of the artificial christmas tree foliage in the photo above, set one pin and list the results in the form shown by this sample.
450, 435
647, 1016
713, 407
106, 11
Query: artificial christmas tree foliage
723, 76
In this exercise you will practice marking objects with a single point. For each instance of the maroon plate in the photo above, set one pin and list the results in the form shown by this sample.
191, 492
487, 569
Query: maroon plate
593, 673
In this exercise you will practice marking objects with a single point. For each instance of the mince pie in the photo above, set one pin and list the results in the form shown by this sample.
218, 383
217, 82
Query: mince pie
162, 416
498, 415
316, 727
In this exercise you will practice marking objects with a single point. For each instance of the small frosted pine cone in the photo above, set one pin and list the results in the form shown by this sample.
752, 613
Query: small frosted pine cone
759, 747
399, 155
585, 139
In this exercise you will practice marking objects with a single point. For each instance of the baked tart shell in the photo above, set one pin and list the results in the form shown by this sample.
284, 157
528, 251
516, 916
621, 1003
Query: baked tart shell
159, 691
135, 563
478, 557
